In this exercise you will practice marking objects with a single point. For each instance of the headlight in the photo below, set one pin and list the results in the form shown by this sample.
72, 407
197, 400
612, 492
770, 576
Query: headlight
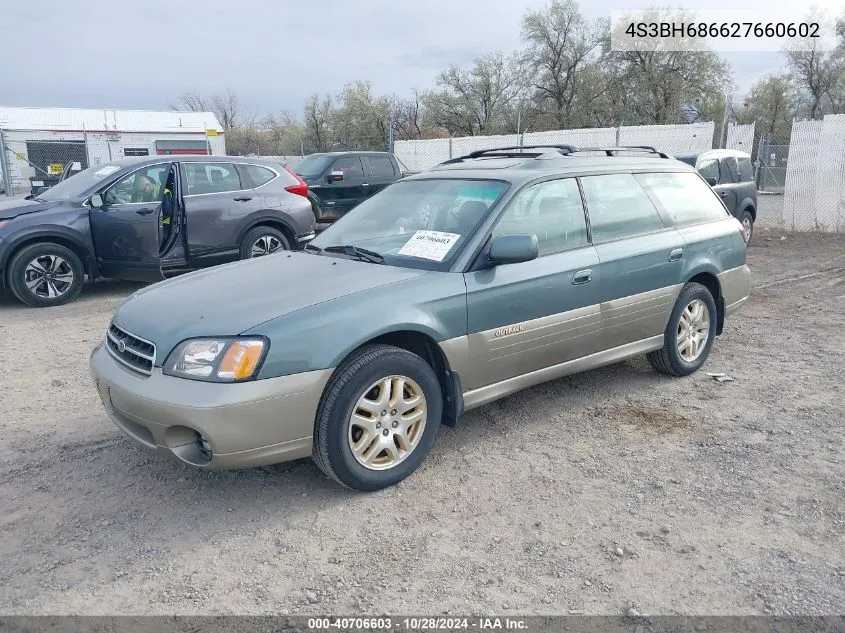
217, 360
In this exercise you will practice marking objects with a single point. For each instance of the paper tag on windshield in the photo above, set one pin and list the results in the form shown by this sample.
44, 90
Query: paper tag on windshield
433, 245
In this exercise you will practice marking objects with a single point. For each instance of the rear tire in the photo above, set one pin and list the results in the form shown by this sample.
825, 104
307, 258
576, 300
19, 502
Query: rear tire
263, 240
748, 222
690, 333
378, 418
45, 274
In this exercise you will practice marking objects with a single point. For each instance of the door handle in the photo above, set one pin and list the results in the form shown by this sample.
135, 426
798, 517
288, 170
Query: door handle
365, 184
582, 277
724, 194
676, 255
243, 199
145, 211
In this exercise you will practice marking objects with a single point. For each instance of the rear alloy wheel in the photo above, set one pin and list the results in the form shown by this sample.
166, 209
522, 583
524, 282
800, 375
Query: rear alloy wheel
748, 224
263, 240
45, 274
378, 418
690, 333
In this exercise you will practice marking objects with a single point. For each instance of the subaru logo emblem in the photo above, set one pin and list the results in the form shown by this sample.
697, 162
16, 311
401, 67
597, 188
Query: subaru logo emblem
121, 346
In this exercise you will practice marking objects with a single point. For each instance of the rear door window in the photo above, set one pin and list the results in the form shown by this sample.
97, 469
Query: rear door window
619, 207
382, 166
684, 197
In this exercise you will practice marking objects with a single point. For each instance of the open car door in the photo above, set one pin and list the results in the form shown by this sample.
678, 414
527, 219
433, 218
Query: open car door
125, 225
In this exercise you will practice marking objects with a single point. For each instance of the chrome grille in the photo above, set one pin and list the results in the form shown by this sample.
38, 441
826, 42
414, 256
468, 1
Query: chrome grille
134, 352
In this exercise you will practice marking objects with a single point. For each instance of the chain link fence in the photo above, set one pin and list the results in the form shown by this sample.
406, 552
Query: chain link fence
33, 159
677, 139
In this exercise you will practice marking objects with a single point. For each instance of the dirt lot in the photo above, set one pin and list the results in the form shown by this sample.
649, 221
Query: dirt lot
613, 489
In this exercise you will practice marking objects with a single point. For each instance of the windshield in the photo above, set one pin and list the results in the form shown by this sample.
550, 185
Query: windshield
312, 165
416, 223
74, 185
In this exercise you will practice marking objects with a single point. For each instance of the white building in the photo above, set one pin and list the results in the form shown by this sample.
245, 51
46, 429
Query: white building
39, 141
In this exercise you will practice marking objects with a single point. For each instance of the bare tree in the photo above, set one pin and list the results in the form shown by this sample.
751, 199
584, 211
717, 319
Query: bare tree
317, 122
561, 46
773, 103
225, 107
471, 101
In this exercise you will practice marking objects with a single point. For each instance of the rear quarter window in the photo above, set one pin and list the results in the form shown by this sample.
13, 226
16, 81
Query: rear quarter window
685, 197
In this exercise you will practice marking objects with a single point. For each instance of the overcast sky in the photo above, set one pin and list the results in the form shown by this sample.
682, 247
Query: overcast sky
272, 53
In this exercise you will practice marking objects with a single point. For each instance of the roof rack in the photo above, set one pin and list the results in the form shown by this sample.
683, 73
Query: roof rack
611, 151
518, 150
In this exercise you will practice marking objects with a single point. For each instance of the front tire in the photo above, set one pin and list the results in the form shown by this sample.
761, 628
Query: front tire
690, 333
378, 418
45, 275
263, 240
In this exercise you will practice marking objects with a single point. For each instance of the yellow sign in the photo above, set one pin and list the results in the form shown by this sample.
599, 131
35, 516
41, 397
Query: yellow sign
211, 132
20, 156
55, 168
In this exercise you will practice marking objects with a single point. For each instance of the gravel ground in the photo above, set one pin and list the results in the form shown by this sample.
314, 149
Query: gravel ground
615, 489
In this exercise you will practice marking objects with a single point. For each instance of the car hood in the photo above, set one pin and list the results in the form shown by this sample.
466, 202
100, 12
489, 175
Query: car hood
230, 299
13, 208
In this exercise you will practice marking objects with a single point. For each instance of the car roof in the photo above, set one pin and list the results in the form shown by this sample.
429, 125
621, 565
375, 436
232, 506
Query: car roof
347, 153
517, 169
140, 161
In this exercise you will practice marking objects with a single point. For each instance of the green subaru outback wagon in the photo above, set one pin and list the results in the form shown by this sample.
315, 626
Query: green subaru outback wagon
447, 290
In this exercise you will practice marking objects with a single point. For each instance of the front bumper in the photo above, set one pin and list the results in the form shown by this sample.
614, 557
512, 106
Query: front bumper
211, 425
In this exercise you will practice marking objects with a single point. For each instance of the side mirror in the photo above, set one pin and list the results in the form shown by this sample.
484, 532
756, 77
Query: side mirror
335, 176
513, 249
97, 201
712, 181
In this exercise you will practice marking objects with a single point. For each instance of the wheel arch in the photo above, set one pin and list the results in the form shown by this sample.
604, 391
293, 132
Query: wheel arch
62, 238
275, 221
748, 205
710, 280
424, 345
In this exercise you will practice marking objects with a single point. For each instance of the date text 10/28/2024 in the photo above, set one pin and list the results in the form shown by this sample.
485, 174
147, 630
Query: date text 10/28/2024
418, 624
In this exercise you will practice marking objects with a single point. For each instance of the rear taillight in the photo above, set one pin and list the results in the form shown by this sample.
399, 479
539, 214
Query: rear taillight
300, 188
742, 230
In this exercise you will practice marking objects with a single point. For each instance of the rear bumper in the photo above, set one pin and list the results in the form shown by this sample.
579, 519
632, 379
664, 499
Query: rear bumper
736, 288
307, 237
210, 425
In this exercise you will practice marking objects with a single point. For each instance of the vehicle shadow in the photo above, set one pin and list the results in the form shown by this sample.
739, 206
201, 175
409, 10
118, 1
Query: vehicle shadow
92, 292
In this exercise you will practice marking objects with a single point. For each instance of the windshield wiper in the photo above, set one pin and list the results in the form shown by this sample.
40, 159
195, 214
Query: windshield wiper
354, 251
311, 247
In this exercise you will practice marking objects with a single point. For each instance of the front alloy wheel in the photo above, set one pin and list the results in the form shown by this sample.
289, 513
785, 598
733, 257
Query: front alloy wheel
46, 274
388, 422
